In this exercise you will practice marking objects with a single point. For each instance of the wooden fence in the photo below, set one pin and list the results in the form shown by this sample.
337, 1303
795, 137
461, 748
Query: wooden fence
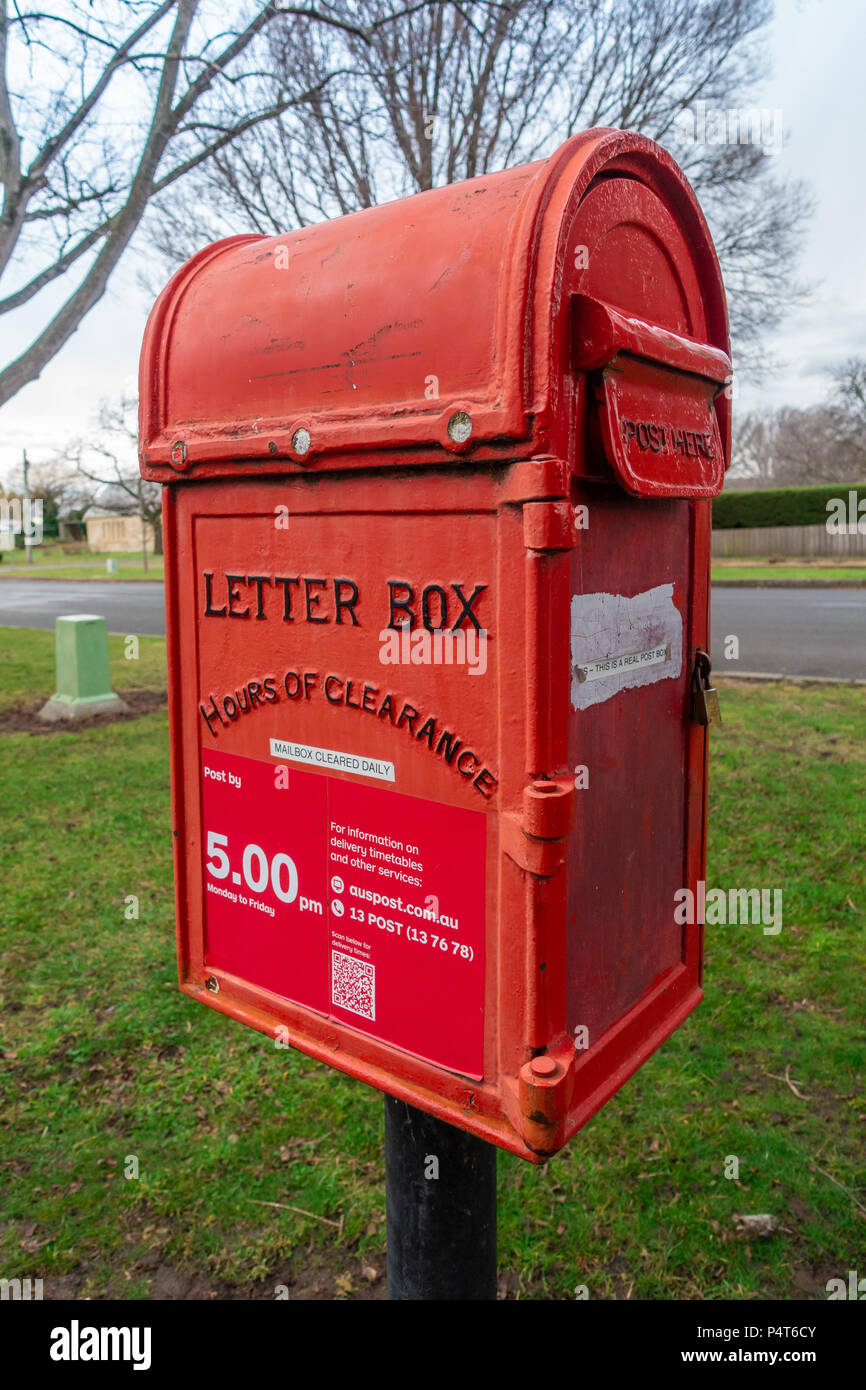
787, 540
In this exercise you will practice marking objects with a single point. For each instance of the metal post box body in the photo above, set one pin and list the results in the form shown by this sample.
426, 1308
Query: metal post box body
437, 528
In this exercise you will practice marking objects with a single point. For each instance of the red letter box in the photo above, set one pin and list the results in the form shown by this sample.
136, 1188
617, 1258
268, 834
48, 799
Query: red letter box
437, 522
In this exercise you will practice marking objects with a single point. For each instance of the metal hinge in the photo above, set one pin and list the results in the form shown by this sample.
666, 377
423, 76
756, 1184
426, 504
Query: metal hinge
532, 480
536, 839
548, 526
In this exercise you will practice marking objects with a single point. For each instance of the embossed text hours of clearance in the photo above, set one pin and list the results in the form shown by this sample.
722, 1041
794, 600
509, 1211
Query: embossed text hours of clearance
308, 599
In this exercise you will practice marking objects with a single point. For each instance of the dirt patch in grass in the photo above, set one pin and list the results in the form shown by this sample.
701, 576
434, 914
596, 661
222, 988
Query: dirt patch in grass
23, 718
317, 1279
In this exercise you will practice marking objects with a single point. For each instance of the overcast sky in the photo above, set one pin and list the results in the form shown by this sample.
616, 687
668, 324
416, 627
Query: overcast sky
818, 83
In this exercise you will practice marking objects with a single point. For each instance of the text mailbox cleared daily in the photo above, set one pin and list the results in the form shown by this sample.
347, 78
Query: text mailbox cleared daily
437, 523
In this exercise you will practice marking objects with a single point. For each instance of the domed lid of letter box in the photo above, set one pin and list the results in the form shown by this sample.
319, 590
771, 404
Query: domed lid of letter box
460, 321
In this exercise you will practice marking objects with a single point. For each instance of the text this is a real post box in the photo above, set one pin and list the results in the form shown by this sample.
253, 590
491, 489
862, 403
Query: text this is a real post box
437, 524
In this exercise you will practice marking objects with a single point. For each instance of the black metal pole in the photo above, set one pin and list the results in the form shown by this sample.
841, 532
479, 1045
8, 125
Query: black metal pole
440, 1194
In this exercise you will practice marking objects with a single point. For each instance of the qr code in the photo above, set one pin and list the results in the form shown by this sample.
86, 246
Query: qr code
353, 984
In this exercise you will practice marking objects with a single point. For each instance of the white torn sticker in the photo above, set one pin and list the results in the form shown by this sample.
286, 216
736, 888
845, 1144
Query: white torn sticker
619, 642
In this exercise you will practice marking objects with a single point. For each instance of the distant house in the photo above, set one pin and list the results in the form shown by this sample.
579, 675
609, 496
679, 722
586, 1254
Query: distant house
108, 531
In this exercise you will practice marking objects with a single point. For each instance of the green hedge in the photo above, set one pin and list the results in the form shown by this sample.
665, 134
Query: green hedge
780, 506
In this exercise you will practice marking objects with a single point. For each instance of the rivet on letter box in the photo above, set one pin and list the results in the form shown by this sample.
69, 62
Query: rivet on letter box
437, 523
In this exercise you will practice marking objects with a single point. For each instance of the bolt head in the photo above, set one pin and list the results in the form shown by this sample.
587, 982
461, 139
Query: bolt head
543, 1066
301, 441
177, 454
460, 427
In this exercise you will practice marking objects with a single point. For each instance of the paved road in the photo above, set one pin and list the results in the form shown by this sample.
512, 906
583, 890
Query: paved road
799, 632
127, 606
805, 632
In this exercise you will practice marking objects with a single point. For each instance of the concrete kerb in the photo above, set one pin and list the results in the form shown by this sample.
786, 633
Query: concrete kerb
777, 677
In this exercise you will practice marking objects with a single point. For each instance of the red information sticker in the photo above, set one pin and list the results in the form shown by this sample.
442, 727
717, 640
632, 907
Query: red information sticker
356, 901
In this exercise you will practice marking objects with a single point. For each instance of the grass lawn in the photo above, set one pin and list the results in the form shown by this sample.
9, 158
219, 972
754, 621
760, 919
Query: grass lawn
787, 574
52, 561
786, 569
105, 1062
98, 571
48, 552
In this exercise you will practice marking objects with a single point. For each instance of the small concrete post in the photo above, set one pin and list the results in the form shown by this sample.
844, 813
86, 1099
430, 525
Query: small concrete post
83, 680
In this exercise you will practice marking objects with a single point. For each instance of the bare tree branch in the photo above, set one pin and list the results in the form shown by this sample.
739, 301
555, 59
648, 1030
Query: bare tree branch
118, 485
29, 364
188, 93
453, 90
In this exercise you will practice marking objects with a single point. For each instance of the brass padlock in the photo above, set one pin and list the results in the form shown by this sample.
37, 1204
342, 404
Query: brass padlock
705, 698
